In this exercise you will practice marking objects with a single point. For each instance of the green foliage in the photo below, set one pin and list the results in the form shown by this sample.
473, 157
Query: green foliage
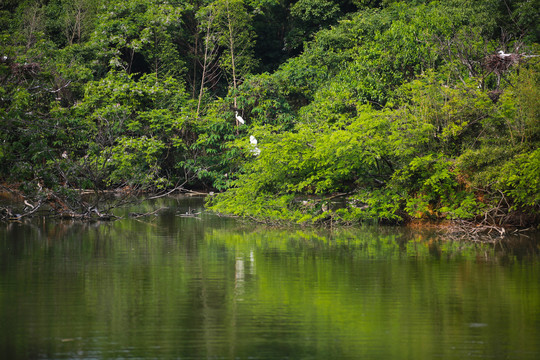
400, 109
309, 15
520, 177
68, 22
133, 125
520, 106
433, 189
136, 36
526, 19
413, 153
209, 160
261, 96
233, 28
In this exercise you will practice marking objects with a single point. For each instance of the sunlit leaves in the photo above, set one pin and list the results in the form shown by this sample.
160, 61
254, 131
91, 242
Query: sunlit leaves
133, 125
521, 179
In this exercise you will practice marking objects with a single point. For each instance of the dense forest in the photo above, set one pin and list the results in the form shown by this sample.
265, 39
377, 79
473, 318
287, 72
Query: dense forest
400, 110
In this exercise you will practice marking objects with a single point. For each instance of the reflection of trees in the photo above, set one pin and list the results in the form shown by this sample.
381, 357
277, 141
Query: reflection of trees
355, 283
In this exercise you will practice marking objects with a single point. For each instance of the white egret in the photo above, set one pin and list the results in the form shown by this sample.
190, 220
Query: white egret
502, 55
253, 142
239, 118
252, 139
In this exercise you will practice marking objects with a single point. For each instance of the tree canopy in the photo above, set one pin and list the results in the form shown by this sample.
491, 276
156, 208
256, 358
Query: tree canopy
398, 109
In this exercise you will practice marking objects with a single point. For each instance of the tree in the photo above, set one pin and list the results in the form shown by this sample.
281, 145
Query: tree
237, 39
137, 36
79, 19
209, 64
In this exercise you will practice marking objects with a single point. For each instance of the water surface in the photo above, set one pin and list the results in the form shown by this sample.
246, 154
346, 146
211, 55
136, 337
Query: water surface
173, 287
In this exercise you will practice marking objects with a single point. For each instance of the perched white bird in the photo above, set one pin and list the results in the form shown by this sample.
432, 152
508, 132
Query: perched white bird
503, 55
253, 141
239, 118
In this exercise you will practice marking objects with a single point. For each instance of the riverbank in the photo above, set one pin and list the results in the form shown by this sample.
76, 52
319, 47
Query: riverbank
329, 212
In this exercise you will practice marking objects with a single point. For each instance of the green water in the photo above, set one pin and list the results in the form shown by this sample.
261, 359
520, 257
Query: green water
171, 287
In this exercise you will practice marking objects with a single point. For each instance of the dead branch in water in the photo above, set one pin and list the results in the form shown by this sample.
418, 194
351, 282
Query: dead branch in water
472, 231
138, 215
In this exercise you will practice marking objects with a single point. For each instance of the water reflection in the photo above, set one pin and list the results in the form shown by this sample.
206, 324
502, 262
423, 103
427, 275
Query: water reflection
208, 287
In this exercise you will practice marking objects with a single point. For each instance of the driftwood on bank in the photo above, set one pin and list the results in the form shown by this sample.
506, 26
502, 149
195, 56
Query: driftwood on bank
482, 232
46, 202
84, 205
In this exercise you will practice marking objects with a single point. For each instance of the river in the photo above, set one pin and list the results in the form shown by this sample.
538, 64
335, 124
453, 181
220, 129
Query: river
206, 287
